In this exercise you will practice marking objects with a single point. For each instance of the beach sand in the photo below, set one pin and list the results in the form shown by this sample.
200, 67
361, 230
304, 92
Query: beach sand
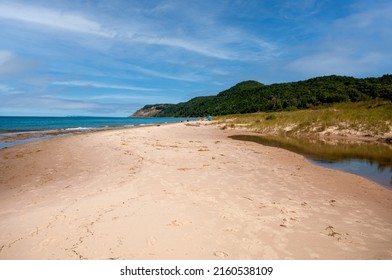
183, 191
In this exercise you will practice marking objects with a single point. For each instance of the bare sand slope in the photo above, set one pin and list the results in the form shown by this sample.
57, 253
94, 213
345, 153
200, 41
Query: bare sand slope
183, 191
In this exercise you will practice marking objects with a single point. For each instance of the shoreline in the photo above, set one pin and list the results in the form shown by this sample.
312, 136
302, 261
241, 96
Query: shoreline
183, 191
20, 137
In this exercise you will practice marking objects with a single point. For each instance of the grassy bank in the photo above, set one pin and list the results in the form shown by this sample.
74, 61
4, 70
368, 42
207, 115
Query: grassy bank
362, 119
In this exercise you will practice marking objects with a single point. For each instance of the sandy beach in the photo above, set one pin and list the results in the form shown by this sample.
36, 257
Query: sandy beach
183, 191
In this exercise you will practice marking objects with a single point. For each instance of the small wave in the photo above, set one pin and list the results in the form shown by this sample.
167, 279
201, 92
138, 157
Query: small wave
78, 128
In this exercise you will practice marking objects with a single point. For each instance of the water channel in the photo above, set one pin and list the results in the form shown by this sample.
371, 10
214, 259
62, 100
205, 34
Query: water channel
370, 160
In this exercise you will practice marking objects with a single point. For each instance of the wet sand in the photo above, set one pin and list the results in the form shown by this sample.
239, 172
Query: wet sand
183, 191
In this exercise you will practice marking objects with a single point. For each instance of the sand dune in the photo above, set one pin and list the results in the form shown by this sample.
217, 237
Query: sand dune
183, 191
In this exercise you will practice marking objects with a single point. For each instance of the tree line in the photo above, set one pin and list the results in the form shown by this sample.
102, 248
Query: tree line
252, 96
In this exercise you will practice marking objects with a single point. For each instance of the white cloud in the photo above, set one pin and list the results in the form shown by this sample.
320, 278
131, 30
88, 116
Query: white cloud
102, 85
12, 65
48, 102
371, 19
201, 47
61, 106
336, 63
297, 10
52, 18
233, 45
6, 89
213, 39
116, 97
180, 77
134, 97
5, 56
355, 45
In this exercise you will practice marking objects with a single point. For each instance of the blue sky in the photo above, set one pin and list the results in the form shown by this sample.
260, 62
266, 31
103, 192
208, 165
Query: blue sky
109, 58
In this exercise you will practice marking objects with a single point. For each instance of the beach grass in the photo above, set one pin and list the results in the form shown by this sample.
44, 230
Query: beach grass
372, 118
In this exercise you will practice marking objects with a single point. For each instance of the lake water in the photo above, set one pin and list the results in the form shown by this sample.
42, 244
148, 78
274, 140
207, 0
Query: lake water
370, 160
34, 128
23, 124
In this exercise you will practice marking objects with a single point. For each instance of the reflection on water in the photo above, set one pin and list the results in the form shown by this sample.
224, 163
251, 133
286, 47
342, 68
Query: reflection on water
370, 160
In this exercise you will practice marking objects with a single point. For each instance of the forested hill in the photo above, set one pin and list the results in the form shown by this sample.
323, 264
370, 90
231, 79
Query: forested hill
252, 96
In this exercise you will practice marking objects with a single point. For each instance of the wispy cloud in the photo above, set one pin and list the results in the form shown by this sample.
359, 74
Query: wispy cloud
6, 89
166, 75
52, 18
336, 63
351, 45
5, 56
123, 97
216, 41
58, 106
299, 10
102, 85
12, 65
201, 47
24, 100
368, 20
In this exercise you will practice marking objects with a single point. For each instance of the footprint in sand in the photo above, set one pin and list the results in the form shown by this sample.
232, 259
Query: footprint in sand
220, 254
175, 223
45, 242
152, 241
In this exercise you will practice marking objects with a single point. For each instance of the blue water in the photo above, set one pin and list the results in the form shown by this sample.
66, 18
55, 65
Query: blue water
10, 126
372, 171
24, 124
375, 164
